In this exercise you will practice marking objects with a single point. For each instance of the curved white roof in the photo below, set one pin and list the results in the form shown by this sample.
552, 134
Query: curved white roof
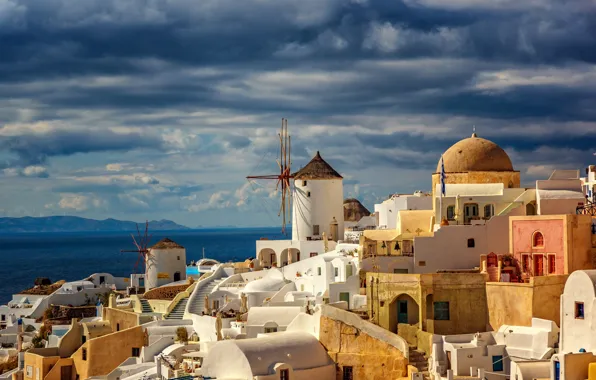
581, 280
281, 315
273, 281
298, 349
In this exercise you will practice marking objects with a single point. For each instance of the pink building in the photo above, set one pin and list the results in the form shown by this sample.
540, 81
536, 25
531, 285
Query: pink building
551, 244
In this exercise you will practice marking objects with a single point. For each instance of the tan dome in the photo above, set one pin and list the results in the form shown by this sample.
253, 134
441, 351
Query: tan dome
475, 154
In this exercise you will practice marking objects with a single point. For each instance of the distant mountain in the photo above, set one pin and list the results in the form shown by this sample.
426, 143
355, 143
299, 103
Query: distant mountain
76, 224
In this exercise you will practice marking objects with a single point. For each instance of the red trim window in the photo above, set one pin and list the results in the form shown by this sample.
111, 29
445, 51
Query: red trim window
526, 263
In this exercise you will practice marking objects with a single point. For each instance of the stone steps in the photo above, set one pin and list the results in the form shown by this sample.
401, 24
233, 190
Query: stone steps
178, 310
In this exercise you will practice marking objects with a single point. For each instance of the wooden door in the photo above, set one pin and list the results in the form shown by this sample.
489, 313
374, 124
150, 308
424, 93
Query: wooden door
538, 265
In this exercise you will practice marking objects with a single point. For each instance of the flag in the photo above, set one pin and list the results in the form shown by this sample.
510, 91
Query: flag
443, 176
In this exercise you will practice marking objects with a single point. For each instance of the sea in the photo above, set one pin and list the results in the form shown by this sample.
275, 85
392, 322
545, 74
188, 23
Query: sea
74, 256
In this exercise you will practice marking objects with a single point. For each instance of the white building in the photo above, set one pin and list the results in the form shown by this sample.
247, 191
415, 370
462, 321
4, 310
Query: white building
287, 355
165, 263
388, 210
265, 319
317, 210
497, 353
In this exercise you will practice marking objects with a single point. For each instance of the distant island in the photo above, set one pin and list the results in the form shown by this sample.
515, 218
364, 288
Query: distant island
77, 224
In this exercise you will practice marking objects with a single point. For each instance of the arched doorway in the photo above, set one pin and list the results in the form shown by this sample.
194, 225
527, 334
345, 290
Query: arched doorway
403, 309
267, 257
176, 276
531, 208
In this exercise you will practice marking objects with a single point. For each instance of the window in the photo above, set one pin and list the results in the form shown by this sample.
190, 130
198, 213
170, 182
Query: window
136, 352
348, 373
308, 194
441, 310
270, 330
489, 211
304, 183
336, 271
498, 363
84, 354
3, 317
102, 279
117, 326
178, 258
29, 371
399, 270
421, 263
315, 229
579, 310
37, 373
537, 240
407, 247
526, 263
284, 374
301, 287
83, 339
451, 212
551, 264
319, 271
471, 243
313, 254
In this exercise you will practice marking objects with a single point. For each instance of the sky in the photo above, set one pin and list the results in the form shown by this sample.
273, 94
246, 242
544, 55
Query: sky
159, 109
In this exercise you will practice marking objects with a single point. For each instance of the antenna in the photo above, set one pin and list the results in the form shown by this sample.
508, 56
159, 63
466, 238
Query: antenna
285, 173
141, 244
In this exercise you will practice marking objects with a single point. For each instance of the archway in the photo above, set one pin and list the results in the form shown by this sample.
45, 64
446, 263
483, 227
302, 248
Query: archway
267, 257
289, 256
531, 208
403, 309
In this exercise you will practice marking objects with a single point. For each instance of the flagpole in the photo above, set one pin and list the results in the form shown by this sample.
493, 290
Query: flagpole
441, 196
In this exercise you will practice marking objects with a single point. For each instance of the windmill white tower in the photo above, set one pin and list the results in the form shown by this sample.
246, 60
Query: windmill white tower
318, 205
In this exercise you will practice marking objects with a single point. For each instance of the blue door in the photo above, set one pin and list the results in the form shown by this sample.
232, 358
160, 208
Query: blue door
498, 363
402, 311
557, 370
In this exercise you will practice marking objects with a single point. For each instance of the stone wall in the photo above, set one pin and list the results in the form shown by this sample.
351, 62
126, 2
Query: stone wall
371, 358
165, 292
60, 312
416, 337
540, 298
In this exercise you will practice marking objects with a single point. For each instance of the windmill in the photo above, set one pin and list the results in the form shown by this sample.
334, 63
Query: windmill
141, 243
285, 174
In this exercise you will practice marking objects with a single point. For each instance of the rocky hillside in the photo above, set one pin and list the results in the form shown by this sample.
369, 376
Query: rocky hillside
354, 210
75, 224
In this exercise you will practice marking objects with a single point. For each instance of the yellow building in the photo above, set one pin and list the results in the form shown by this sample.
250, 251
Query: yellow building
102, 355
439, 303
475, 160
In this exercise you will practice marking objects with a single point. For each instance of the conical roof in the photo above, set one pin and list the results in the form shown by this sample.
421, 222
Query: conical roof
317, 168
166, 243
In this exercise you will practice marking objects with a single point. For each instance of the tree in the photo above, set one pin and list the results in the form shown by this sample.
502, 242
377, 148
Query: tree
182, 334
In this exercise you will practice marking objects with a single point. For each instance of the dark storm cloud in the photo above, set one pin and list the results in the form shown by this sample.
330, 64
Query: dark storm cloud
35, 148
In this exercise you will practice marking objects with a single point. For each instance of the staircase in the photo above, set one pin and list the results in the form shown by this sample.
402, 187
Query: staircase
178, 310
198, 304
417, 359
145, 307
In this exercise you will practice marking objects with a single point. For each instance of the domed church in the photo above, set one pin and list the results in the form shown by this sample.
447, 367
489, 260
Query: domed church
475, 160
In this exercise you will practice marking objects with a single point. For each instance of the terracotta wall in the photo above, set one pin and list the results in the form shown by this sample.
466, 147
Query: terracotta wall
553, 231
370, 358
106, 353
120, 319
